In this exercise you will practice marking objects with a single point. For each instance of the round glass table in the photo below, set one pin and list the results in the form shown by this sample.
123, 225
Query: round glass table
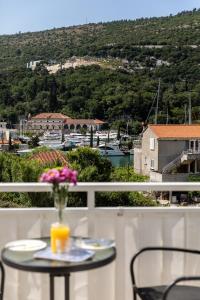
25, 261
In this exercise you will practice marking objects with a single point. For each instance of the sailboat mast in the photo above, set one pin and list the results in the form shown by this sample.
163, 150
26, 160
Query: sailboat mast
158, 96
185, 112
167, 121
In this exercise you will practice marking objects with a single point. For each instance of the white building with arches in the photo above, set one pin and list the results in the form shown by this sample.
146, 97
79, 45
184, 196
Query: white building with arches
60, 122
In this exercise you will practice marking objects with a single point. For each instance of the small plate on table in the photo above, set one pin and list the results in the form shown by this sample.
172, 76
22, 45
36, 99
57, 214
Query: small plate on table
94, 244
26, 245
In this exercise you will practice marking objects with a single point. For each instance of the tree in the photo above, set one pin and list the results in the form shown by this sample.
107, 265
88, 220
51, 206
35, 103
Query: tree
98, 141
91, 137
53, 101
10, 145
118, 133
34, 141
84, 159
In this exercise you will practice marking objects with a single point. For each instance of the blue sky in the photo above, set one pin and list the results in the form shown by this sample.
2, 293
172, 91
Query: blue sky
35, 15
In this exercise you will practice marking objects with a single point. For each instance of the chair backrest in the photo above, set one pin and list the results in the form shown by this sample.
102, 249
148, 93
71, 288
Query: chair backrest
2, 280
183, 250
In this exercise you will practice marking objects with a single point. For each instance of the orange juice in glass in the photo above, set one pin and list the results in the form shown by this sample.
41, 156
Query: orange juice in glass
60, 234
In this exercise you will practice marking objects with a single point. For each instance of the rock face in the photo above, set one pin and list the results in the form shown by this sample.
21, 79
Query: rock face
71, 63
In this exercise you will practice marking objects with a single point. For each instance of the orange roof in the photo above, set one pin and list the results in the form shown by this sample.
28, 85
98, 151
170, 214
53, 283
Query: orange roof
67, 119
50, 116
83, 121
176, 131
49, 157
97, 121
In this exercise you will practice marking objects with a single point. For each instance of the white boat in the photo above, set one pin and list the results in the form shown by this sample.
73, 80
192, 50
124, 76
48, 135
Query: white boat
105, 135
52, 144
24, 139
51, 135
78, 139
109, 149
52, 139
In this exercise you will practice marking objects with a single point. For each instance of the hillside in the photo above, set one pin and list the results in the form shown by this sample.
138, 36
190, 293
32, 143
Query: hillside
116, 38
127, 58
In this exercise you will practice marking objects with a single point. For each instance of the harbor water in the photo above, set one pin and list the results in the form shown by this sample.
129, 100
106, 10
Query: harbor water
121, 161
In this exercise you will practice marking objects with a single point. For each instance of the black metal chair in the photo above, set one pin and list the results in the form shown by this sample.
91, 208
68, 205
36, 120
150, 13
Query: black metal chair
2, 281
166, 292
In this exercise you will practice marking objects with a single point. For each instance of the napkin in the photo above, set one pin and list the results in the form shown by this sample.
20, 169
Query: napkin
72, 255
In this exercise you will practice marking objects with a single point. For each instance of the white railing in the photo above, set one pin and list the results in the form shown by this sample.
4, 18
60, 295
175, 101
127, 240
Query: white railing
92, 187
131, 227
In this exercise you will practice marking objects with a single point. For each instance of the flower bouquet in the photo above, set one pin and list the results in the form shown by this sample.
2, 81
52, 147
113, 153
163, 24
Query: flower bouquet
59, 232
59, 176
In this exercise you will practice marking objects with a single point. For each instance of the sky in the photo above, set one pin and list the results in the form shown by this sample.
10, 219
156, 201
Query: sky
36, 15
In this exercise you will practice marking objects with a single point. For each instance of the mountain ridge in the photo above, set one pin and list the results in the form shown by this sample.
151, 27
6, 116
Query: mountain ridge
97, 39
165, 49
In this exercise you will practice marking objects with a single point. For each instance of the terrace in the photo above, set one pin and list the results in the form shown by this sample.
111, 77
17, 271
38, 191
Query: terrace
131, 227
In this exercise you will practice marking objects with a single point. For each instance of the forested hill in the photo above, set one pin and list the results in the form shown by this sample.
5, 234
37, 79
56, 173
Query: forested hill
115, 38
139, 52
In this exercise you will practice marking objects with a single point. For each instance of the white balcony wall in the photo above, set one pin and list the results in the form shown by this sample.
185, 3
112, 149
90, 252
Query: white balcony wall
131, 228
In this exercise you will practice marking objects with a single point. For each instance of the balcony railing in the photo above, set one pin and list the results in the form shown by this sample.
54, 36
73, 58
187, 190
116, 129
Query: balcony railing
131, 227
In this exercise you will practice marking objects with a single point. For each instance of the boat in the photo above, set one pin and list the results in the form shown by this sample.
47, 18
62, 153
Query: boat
24, 139
106, 135
51, 135
52, 144
109, 149
52, 140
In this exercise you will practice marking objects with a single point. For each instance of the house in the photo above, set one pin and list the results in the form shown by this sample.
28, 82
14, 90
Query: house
46, 121
50, 157
168, 152
33, 64
59, 122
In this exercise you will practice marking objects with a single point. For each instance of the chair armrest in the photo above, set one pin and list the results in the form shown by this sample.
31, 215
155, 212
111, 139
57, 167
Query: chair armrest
179, 279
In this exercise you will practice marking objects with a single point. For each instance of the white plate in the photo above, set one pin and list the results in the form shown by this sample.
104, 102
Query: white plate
94, 244
26, 245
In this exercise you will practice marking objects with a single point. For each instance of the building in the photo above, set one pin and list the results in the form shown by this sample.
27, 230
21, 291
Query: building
50, 157
168, 152
77, 124
58, 122
33, 64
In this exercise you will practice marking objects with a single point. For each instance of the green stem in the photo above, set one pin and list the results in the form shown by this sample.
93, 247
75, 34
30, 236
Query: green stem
60, 214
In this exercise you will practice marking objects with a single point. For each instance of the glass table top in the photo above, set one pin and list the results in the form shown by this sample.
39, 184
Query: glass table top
104, 253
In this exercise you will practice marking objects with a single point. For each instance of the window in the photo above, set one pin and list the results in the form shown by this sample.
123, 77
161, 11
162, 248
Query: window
152, 144
152, 164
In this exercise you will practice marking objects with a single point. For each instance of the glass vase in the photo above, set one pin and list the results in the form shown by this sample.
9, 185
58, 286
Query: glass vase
60, 203
60, 232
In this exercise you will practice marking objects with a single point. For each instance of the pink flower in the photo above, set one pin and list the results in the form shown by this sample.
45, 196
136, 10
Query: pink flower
73, 178
65, 174
51, 176
57, 176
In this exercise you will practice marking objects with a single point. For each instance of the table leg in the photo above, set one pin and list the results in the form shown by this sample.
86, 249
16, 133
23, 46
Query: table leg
67, 289
51, 287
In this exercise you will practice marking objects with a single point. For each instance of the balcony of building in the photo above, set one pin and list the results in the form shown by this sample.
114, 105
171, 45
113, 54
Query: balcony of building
131, 227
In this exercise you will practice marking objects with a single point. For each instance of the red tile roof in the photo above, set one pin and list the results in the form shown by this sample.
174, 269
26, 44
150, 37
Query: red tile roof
176, 131
49, 157
50, 116
67, 119
84, 121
